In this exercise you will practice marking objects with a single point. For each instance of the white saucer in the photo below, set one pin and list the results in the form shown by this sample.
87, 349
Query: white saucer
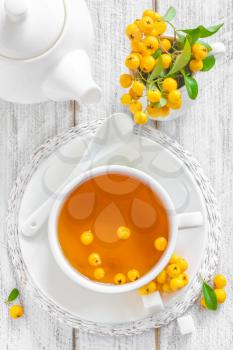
142, 153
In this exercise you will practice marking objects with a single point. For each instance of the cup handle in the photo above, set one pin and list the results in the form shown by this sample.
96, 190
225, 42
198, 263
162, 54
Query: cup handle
218, 49
187, 220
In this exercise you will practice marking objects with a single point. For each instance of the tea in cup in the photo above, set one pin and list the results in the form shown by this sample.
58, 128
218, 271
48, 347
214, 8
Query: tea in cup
115, 229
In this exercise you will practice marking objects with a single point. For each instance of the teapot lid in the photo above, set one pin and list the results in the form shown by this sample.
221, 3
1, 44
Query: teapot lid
29, 28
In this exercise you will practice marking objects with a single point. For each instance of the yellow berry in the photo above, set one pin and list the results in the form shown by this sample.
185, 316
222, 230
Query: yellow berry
174, 258
138, 87
154, 32
169, 84
175, 105
146, 24
199, 51
160, 244
119, 278
220, 281
99, 273
162, 277
133, 275
182, 263
147, 63
126, 99
16, 311
123, 232
148, 288
175, 284
166, 60
154, 95
166, 288
195, 65
202, 302
185, 279
151, 13
135, 46
133, 94
94, 259
137, 21
160, 26
151, 44
165, 44
87, 237
140, 117
164, 111
174, 96
125, 80
159, 287
173, 270
132, 61
153, 111
142, 49
221, 295
133, 32
135, 106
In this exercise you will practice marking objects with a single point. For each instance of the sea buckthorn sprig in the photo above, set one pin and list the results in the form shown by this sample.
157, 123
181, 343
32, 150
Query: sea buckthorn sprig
172, 278
160, 65
212, 296
15, 310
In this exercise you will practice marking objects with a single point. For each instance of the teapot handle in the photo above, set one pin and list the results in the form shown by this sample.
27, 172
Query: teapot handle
16, 10
218, 49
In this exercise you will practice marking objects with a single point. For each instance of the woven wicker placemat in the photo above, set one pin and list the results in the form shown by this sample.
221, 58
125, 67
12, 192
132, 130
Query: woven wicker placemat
176, 309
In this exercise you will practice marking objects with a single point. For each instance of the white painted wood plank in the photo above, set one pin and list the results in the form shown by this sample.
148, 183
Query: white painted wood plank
22, 129
110, 48
109, 51
87, 341
206, 131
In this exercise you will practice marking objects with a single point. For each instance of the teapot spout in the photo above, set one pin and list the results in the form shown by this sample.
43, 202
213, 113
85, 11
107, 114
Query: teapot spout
71, 79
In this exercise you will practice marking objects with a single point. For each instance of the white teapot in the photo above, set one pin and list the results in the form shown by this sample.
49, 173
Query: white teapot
44, 51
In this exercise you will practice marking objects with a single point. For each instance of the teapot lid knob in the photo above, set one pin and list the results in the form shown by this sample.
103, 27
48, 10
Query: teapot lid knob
16, 9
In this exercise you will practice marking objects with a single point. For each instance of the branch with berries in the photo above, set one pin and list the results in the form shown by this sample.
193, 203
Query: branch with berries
159, 65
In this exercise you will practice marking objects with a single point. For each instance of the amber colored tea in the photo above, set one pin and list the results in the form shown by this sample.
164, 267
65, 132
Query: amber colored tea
102, 204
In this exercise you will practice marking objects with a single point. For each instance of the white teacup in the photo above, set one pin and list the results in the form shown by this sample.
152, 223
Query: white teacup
176, 222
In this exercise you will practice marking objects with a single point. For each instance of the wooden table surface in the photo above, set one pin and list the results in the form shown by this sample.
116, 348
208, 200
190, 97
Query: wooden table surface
206, 131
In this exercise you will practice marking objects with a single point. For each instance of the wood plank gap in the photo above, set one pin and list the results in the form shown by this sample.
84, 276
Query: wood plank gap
157, 330
74, 339
157, 338
73, 104
155, 4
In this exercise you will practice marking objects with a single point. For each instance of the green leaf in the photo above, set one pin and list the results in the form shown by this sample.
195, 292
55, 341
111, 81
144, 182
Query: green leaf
13, 295
191, 86
201, 31
208, 63
183, 59
157, 53
209, 296
157, 70
180, 40
170, 14
161, 103
193, 36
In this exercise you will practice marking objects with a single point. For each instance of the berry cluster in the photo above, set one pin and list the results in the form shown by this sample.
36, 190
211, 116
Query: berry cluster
171, 279
94, 259
160, 65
